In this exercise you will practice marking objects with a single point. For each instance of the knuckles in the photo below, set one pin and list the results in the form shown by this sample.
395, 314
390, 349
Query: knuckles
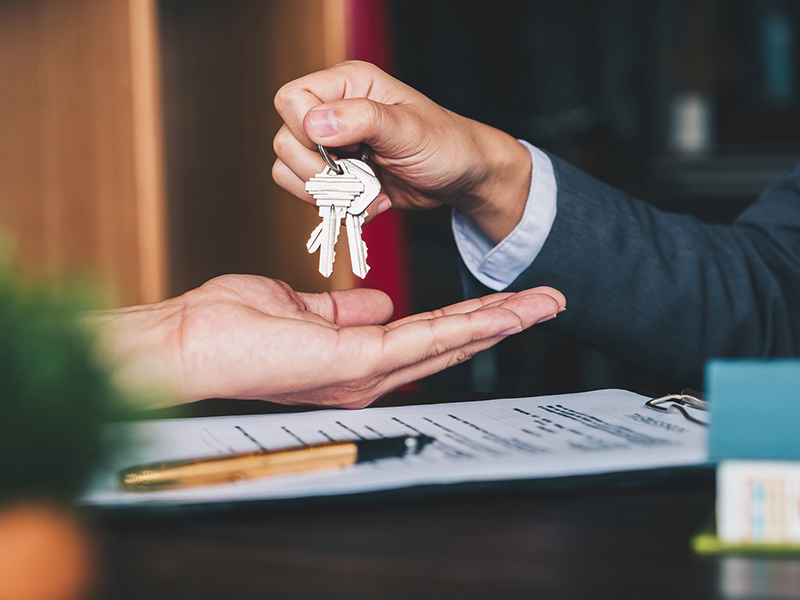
284, 97
359, 67
281, 141
277, 172
287, 95
282, 176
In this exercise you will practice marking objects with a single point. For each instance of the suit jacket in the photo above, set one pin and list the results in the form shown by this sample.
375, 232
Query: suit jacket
667, 291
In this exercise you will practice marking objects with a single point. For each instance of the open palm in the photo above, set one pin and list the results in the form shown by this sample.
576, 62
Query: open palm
241, 336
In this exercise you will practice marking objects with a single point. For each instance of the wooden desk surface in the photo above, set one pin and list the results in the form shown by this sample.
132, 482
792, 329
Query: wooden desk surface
501, 543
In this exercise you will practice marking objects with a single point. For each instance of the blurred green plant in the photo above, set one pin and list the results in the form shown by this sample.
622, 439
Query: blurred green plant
55, 394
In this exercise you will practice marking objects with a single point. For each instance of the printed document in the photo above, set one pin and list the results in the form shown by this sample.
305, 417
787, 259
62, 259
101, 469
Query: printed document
590, 433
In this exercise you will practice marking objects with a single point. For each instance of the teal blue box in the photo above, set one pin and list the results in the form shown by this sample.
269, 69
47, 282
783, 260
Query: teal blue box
755, 409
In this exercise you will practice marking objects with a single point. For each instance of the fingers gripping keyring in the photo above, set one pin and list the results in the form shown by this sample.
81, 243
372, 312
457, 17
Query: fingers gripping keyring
363, 153
328, 160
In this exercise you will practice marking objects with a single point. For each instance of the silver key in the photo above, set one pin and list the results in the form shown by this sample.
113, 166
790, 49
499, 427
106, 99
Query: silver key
358, 249
357, 213
343, 194
372, 187
331, 220
334, 193
315, 240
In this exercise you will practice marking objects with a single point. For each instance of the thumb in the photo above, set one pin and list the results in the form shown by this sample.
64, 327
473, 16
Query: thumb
351, 121
360, 306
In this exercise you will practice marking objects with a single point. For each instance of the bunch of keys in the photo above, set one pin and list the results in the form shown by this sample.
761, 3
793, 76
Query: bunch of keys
343, 190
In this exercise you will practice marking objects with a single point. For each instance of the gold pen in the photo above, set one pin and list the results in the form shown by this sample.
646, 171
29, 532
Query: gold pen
233, 468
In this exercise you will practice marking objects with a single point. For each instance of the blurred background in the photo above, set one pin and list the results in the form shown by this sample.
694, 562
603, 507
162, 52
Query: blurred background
136, 135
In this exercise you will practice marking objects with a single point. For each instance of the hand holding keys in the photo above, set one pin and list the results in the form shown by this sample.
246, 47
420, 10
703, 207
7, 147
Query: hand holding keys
343, 190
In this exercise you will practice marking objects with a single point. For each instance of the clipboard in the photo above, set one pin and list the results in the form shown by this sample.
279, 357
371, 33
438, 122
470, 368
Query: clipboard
538, 442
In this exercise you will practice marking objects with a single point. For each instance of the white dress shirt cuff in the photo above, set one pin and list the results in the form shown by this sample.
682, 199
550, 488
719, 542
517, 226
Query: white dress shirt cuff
497, 266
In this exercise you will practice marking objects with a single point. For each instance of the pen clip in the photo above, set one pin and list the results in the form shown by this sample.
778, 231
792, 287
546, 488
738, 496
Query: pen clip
679, 402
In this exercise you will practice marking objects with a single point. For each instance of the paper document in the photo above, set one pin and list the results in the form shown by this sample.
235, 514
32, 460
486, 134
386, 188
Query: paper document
520, 438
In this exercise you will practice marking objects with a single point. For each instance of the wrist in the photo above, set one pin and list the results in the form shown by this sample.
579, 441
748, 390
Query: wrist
141, 347
497, 201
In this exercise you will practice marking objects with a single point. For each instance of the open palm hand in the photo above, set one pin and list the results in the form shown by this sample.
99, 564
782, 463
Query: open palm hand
242, 336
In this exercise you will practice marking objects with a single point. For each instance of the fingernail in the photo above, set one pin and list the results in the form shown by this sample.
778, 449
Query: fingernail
384, 206
324, 122
511, 331
547, 318
562, 309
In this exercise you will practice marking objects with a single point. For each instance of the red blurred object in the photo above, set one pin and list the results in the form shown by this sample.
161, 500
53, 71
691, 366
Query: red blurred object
368, 39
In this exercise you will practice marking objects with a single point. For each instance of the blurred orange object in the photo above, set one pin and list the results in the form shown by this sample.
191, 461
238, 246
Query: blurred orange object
44, 553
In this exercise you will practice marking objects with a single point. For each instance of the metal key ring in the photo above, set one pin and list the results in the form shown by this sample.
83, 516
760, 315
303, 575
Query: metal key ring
328, 160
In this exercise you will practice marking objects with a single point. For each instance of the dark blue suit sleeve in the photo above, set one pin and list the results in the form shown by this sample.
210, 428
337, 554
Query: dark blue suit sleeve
667, 291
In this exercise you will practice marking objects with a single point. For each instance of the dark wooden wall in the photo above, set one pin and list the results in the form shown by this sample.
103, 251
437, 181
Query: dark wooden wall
80, 155
222, 64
